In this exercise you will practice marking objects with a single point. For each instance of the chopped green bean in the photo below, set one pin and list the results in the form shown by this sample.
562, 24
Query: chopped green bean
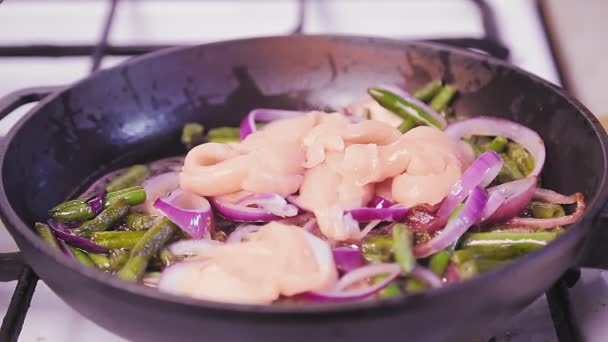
47, 235
521, 157
441, 100
438, 263
406, 125
137, 221
546, 210
403, 108
428, 91
498, 144
166, 257
78, 210
473, 267
402, 247
391, 290
377, 248
82, 257
118, 258
224, 135
502, 245
117, 239
510, 171
146, 248
106, 219
413, 285
133, 176
192, 134
100, 260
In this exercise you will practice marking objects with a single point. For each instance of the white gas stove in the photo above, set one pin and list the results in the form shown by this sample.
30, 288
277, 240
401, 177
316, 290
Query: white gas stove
26, 25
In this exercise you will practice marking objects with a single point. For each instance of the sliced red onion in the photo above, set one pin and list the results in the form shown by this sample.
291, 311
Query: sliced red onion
380, 202
270, 202
491, 126
174, 277
193, 247
347, 258
480, 173
508, 200
151, 279
264, 115
411, 99
421, 218
66, 249
452, 274
368, 228
191, 212
95, 202
292, 199
551, 196
241, 231
64, 233
394, 214
427, 276
100, 184
239, 213
298, 220
470, 213
552, 222
341, 291
156, 187
311, 226
166, 165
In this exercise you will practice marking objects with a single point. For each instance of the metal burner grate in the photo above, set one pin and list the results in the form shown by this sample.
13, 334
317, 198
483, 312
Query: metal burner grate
558, 298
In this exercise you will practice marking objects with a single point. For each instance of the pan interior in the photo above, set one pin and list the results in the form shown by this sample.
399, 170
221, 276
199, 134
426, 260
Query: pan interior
135, 112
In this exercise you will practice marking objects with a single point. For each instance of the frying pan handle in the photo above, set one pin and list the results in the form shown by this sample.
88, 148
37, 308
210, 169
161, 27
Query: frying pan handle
11, 264
20, 97
596, 251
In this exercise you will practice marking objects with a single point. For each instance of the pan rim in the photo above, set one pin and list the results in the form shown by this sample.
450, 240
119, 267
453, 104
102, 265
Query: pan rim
382, 307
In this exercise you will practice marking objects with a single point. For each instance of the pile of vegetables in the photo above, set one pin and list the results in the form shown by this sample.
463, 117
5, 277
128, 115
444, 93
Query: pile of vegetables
135, 222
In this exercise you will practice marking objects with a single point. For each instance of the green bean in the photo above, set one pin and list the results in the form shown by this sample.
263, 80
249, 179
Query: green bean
137, 221
510, 171
377, 248
101, 261
47, 235
106, 219
117, 239
78, 210
428, 91
402, 247
521, 157
406, 125
498, 144
413, 285
146, 248
224, 135
192, 134
501, 245
403, 108
438, 262
118, 258
546, 210
81, 256
133, 176
473, 267
443, 98
391, 290
166, 257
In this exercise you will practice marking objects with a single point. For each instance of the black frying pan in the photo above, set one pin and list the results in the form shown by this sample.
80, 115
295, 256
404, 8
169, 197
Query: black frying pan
134, 113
